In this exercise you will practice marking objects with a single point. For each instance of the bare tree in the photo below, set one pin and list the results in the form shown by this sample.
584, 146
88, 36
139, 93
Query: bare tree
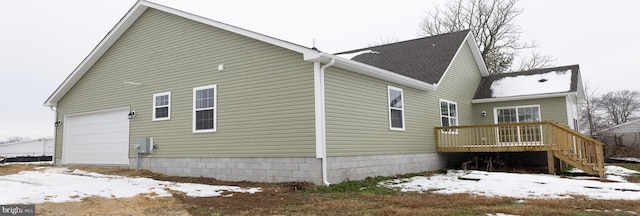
535, 60
383, 41
492, 24
619, 106
589, 117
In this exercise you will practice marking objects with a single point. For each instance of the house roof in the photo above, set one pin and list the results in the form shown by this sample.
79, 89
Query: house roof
537, 83
630, 126
308, 54
425, 59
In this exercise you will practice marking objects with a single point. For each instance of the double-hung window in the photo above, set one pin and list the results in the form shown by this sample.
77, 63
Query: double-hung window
396, 108
161, 106
448, 113
204, 109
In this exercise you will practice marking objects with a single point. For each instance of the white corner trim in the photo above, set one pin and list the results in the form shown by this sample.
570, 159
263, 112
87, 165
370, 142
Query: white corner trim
321, 134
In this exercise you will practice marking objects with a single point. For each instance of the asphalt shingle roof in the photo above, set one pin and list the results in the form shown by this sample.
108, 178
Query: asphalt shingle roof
484, 88
424, 59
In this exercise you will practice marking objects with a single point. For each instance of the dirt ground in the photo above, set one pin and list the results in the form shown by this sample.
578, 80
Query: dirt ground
271, 195
304, 199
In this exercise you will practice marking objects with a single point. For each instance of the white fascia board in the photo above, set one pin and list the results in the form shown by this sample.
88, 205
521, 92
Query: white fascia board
254, 35
132, 16
96, 53
375, 72
525, 97
476, 56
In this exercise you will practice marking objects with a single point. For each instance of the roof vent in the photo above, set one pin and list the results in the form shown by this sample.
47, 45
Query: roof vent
542, 80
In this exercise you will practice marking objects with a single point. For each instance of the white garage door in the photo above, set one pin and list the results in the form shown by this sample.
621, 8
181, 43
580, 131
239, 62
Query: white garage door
96, 138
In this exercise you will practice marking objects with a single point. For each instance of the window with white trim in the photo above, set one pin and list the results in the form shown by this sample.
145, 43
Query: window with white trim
448, 113
396, 108
518, 114
204, 109
161, 106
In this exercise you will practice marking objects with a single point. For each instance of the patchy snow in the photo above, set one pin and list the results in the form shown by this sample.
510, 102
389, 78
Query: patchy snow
353, 55
27, 163
550, 82
57, 184
628, 159
613, 171
525, 186
614, 211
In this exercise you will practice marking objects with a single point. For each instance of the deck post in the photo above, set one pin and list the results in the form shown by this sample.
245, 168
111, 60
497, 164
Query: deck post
551, 162
600, 161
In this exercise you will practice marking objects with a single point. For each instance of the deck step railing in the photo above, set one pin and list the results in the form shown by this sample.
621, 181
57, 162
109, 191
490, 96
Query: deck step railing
558, 140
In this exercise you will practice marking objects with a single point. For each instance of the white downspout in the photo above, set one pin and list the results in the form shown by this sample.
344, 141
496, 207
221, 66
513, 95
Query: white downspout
321, 142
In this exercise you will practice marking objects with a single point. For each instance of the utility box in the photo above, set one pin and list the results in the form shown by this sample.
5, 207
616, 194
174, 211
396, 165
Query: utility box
144, 145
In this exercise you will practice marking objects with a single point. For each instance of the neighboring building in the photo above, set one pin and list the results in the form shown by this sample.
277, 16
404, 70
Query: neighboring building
27, 148
627, 134
224, 102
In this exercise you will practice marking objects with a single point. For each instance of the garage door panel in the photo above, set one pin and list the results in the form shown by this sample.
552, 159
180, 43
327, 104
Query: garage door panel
97, 138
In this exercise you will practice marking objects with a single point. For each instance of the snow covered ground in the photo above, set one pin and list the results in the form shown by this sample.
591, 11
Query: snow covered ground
530, 186
628, 159
50, 184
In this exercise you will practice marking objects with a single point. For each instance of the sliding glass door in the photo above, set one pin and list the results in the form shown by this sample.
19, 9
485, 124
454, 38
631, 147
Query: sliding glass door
518, 134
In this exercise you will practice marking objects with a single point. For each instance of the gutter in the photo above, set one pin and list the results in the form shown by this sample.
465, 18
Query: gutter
372, 71
321, 135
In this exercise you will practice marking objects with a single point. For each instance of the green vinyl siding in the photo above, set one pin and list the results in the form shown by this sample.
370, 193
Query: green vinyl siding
357, 113
459, 85
357, 116
551, 109
265, 104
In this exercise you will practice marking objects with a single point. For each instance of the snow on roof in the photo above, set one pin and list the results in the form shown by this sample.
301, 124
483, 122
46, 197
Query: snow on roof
543, 83
64, 185
524, 186
354, 54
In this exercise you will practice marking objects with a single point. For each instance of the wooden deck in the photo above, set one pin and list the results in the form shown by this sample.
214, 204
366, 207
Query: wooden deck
557, 140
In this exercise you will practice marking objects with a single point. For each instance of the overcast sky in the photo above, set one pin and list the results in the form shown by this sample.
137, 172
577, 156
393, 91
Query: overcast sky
42, 41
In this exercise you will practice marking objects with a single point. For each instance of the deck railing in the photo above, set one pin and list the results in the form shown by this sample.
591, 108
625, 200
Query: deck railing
560, 141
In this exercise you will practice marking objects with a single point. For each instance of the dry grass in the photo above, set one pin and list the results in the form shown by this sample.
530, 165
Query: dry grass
303, 199
13, 169
138, 205
436, 204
